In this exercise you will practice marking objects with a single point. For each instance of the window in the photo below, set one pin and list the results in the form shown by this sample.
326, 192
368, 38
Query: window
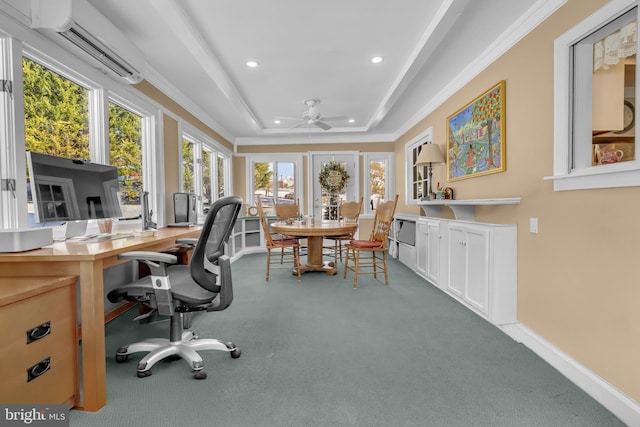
595, 97
205, 167
379, 186
417, 181
56, 116
125, 152
273, 181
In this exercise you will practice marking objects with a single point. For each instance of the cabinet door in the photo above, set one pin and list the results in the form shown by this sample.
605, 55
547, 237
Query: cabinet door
434, 239
477, 283
422, 254
457, 261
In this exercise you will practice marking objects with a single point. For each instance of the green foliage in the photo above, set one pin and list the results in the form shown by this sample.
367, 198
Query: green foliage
262, 176
56, 113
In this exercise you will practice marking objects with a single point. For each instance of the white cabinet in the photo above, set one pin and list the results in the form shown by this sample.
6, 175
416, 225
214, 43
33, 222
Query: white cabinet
402, 240
482, 268
429, 243
247, 237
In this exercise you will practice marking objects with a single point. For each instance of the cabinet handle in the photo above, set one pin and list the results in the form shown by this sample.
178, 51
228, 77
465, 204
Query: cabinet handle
38, 369
39, 332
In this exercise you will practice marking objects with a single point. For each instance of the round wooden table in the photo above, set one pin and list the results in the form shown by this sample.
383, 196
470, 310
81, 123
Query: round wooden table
315, 233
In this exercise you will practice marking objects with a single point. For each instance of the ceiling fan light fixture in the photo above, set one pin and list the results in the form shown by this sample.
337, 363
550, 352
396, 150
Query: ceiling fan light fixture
377, 59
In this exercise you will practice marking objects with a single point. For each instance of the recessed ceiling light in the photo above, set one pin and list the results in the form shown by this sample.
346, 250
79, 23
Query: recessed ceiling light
352, 120
252, 64
276, 122
377, 59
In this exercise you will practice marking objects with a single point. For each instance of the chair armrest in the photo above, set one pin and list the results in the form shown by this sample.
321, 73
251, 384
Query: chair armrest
157, 261
149, 256
187, 241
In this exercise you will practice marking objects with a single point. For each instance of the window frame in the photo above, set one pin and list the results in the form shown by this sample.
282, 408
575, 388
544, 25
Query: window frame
296, 159
201, 142
425, 137
389, 187
566, 174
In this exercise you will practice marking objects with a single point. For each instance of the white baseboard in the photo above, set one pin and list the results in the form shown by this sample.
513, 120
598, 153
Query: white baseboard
621, 405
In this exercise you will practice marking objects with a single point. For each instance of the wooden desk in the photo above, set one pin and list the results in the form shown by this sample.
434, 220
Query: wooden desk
315, 233
87, 261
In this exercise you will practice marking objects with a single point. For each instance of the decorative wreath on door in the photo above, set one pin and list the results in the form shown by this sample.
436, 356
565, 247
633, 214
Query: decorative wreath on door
333, 177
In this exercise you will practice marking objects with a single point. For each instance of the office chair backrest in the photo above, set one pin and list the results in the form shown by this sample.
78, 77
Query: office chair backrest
216, 230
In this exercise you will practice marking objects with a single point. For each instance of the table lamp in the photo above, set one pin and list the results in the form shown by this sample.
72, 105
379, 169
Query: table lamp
430, 155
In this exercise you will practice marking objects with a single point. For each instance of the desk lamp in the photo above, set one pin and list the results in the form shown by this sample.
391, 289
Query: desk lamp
430, 155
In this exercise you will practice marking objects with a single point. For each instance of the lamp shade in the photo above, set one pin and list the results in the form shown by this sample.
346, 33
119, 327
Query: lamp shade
429, 155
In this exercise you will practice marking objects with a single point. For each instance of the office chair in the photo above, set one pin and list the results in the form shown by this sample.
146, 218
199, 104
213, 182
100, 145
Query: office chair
178, 290
371, 254
348, 212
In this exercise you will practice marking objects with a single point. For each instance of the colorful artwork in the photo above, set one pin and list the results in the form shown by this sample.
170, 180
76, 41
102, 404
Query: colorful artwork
476, 136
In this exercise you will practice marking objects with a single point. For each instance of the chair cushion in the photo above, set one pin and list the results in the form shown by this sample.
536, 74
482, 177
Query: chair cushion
367, 244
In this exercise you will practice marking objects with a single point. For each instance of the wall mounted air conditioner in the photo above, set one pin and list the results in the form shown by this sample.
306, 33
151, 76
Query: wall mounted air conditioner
78, 26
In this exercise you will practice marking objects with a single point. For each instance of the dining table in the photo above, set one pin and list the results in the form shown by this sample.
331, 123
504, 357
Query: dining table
315, 232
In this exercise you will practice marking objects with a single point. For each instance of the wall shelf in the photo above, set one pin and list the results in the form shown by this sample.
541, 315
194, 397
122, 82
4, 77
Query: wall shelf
464, 210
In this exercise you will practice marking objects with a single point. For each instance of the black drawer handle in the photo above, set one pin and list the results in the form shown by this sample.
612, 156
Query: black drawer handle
40, 331
38, 369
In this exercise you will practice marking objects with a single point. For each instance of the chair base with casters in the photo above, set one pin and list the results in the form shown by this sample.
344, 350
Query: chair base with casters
177, 291
186, 346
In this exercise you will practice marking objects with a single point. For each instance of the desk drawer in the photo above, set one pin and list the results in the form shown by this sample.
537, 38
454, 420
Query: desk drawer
47, 320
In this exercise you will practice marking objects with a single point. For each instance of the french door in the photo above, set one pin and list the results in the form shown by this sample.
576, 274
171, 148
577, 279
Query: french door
322, 206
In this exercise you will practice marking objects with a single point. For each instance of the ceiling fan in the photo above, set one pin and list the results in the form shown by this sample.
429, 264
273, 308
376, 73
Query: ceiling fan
312, 116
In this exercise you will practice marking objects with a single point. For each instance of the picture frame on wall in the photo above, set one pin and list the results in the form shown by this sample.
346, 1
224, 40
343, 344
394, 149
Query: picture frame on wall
476, 136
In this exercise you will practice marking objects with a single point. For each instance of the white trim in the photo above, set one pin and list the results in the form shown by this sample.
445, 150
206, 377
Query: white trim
621, 405
577, 177
425, 137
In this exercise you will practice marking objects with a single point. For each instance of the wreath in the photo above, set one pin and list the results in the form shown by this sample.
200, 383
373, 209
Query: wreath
333, 177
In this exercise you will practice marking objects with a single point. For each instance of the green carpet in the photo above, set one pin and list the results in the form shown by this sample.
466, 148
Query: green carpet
318, 353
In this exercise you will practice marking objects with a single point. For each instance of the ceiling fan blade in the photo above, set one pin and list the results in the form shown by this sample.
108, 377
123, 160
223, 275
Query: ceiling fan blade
301, 125
335, 118
287, 118
322, 125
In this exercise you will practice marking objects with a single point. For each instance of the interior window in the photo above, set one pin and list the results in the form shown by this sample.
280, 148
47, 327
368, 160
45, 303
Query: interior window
595, 98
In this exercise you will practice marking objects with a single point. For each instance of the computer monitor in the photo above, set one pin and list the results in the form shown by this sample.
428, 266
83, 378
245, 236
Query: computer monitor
65, 189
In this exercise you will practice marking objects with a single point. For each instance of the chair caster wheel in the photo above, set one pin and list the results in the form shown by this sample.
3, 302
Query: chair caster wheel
199, 375
235, 353
121, 358
144, 374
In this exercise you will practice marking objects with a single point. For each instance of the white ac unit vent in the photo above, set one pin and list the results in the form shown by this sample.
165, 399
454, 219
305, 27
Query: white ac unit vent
77, 25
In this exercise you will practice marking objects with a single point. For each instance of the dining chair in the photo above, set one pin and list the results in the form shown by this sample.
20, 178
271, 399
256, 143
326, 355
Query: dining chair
348, 212
369, 256
287, 211
288, 247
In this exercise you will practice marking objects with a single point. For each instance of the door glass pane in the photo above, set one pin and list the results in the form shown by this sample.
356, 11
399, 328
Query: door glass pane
376, 182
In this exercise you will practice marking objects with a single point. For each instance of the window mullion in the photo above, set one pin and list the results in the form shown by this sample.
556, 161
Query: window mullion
99, 126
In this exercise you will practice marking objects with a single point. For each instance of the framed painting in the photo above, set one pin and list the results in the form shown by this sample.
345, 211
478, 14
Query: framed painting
476, 136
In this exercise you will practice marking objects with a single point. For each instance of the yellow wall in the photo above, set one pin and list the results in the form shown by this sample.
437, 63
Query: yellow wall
576, 287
